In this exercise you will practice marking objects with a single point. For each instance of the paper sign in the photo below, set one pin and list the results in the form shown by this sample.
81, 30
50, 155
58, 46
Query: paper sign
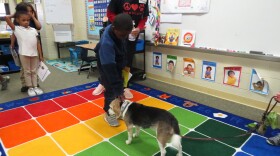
62, 33
171, 18
43, 71
15, 56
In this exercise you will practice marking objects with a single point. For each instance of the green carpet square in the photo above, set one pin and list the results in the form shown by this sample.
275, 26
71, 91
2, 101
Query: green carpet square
99, 150
187, 118
213, 128
203, 148
170, 152
144, 144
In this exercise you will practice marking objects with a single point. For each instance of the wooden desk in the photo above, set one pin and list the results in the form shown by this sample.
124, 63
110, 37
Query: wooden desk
89, 46
63, 45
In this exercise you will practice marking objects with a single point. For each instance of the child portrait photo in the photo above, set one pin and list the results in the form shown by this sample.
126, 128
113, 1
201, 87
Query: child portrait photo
258, 84
232, 76
189, 67
171, 63
157, 62
208, 70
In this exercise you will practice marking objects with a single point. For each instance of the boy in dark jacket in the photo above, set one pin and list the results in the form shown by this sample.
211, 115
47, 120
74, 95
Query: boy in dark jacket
111, 53
139, 12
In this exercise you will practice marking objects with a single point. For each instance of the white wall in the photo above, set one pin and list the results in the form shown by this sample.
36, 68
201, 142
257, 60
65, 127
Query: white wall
270, 71
242, 25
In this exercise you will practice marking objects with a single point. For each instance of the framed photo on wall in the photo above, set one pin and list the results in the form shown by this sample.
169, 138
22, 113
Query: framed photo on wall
157, 60
208, 70
232, 76
189, 67
171, 63
258, 84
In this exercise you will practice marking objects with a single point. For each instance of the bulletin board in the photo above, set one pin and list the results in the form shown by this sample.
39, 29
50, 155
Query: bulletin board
95, 11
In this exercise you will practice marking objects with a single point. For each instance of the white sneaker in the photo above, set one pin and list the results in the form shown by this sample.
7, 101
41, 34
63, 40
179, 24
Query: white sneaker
38, 91
31, 92
127, 94
98, 90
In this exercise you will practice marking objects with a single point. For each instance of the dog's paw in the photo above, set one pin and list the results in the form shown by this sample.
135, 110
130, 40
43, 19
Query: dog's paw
135, 135
128, 142
179, 154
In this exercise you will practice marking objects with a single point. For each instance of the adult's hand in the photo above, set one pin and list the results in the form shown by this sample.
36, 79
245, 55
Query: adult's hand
277, 97
135, 32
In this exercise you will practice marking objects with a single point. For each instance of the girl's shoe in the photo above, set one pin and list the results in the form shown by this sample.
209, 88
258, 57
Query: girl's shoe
98, 90
38, 91
4, 84
274, 140
31, 92
127, 93
7, 78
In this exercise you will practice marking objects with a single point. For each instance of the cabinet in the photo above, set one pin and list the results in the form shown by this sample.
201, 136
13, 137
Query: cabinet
6, 58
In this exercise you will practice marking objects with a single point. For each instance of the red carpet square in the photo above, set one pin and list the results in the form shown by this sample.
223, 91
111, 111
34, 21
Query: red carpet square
42, 108
69, 100
88, 94
13, 116
57, 120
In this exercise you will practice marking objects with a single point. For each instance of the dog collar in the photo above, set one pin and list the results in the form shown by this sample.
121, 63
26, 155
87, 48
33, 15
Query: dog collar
124, 107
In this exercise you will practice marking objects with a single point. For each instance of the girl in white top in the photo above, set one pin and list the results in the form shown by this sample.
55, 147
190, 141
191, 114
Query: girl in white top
29, 49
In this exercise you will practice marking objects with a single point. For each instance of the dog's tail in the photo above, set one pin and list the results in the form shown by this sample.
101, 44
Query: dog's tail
176, 141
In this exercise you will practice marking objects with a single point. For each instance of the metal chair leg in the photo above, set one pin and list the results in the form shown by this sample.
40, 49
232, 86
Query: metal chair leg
81, 67
90, 69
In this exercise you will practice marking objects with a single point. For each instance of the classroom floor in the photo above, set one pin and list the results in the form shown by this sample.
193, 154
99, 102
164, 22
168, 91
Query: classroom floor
70, 122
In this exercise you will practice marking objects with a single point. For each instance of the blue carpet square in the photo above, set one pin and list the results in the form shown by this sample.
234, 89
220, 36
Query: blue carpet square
257, 146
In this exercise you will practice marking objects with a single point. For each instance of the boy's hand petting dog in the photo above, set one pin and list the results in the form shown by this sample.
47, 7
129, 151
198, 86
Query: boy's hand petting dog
121, 97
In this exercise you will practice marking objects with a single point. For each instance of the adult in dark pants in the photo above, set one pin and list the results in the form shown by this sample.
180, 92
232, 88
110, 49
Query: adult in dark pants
139, 12
111, 53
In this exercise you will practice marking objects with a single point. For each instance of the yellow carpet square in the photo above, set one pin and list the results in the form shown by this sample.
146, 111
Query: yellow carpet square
153, 102
103, 128
76, 138
43, 146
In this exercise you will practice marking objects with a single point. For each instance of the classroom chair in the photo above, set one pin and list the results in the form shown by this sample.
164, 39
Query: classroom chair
75, 53
91, 61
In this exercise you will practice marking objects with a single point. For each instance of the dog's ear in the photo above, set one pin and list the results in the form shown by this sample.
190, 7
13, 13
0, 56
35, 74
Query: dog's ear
116, 106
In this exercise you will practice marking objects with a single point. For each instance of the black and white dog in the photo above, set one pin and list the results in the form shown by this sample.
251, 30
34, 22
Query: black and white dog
140, 116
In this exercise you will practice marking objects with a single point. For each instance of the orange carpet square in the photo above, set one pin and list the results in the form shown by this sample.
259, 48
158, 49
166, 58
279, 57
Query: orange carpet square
13, 116
57, 120
19, 133
42, 108
99, 102
137, 96
86, 111
69, 100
